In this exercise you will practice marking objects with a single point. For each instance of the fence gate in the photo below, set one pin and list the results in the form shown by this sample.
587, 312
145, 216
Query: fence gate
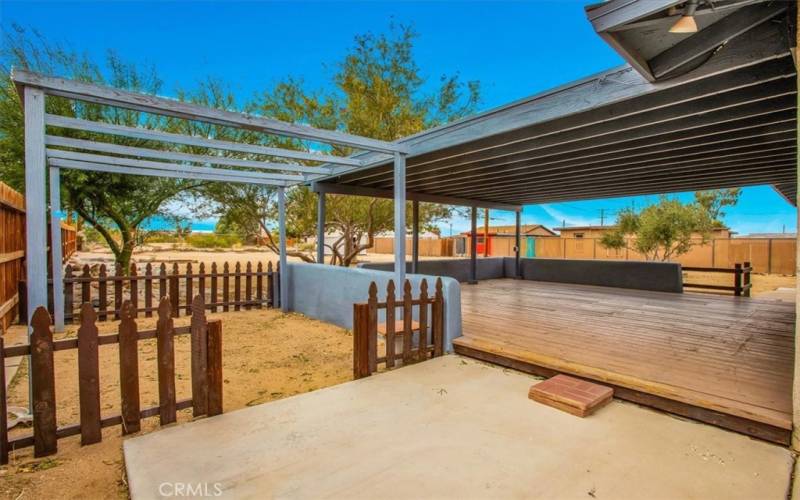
406, 340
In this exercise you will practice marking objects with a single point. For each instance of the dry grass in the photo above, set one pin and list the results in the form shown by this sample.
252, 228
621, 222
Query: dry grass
267, 355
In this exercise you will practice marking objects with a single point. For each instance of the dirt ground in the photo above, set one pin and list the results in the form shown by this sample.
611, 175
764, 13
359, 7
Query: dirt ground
267, 355
761, 282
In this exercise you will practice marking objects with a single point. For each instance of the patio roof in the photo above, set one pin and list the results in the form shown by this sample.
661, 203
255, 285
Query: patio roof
729, 122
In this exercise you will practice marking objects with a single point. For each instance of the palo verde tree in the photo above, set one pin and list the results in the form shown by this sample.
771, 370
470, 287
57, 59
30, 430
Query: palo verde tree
115, 205
377, 91
662, 231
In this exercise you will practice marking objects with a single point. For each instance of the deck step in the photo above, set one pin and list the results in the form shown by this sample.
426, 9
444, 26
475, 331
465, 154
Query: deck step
572, 395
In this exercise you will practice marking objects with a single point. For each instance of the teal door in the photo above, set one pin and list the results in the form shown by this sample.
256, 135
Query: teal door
530, 251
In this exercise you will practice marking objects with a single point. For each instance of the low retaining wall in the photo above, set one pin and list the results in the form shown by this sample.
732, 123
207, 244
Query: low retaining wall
328, 293
656, 276
458, 269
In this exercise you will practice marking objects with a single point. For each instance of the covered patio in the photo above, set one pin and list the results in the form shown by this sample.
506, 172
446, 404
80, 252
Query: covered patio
695, 111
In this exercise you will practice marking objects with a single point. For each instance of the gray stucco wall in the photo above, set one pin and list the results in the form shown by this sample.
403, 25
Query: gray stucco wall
328, 293
656, 276
458, 269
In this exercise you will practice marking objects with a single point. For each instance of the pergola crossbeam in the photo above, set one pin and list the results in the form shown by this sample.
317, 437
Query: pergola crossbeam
110, 96
191, 140
147, 164
190, 173
106, 147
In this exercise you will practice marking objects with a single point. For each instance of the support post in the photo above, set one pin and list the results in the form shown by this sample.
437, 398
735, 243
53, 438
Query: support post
284, 276
485, 232
517, 244
415, 237
320, 228
400, 218
55, 249
35, 202
473, 249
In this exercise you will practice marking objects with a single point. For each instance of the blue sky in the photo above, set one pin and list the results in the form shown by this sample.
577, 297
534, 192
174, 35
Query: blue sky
514, 48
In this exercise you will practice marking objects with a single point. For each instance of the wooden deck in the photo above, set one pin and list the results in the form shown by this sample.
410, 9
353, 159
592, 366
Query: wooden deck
719, 359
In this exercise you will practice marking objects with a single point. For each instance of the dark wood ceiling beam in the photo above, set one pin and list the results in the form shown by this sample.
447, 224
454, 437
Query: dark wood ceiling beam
622, 177
498, 144
669, 157
712, 37
687, 146
785, 175
775, 95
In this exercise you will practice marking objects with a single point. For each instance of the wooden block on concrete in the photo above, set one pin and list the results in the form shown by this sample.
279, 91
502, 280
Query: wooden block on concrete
572, 395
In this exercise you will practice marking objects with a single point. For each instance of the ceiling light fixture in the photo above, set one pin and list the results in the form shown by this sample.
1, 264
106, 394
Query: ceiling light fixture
686, 23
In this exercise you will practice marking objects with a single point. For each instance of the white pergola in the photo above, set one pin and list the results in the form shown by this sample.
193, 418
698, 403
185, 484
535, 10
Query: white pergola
253, 164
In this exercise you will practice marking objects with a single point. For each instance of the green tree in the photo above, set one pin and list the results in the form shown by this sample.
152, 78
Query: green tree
379, 92
661, 231
114, 205
715, 201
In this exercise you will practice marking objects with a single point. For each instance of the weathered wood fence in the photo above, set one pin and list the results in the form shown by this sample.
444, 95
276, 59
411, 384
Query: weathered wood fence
222, 289
12, 251
741, 279
206, 375
429, 328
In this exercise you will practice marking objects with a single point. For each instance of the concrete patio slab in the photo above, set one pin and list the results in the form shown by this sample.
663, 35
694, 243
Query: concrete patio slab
450, 428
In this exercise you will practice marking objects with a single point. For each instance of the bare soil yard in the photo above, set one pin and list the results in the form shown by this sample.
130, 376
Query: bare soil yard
761, 282
267, 355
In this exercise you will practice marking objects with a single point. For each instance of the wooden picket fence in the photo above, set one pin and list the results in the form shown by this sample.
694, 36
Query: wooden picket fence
223, 289
206, 375
429, 328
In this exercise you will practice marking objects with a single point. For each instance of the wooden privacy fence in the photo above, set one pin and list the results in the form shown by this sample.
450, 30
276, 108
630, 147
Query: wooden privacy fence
741, 279
223, 289
429, 328
206, 375
12, 251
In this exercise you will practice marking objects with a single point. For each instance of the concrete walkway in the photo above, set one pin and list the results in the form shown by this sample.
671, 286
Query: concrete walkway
450, 428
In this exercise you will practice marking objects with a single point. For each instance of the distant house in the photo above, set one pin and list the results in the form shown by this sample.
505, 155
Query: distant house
500, 239
590, 232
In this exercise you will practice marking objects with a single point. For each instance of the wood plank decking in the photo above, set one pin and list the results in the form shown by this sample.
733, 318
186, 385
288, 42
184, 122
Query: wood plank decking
723, 360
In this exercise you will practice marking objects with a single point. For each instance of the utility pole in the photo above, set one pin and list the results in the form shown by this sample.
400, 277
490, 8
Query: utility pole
602, 216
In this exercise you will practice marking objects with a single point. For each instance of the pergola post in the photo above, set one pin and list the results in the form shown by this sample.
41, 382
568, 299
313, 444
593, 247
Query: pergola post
399, 219
415, 237
35, 202
56, 262
473, 249
517, 243
320, 228
284, 281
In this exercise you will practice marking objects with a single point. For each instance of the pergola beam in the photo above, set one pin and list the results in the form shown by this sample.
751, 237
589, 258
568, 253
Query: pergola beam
773, 95
277, 179
106, 147
771, 177
170, 107
154, 172
325, 187
663, 151
733, 163
191, 140
632, 166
